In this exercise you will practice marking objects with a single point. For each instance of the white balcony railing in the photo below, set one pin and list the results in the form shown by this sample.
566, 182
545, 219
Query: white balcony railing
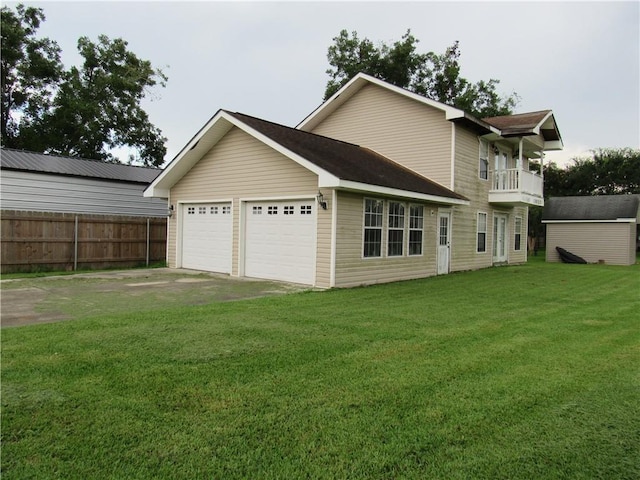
520, 185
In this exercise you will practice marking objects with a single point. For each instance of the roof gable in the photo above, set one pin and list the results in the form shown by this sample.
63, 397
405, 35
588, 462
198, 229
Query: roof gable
337, 164
522, 124
361, 80
532, 123
591, 208
20, 160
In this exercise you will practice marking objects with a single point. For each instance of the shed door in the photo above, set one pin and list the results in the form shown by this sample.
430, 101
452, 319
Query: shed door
280, 240
207, 237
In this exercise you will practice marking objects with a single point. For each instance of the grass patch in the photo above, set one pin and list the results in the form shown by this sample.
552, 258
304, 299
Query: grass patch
516, 372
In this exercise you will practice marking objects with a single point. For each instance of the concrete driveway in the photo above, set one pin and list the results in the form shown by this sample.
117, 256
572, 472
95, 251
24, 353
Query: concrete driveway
48, 299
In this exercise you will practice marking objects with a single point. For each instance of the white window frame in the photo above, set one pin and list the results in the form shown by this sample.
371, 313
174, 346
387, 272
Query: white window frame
483, 160
479, 231
413, 228
393, 220
517, 242
367, 225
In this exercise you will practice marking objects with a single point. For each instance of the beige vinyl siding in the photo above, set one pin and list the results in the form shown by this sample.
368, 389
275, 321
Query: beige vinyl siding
408, 132
352, 269
609, 242
240, 167
464, 254
323, 250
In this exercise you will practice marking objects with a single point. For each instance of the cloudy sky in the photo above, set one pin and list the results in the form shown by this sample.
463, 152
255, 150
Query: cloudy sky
266, 59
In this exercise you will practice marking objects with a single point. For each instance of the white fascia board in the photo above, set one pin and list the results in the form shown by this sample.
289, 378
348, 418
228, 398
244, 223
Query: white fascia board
359, 81
617, 220
392, 192
186, 158
153, 192
190, 155
553, 145
538, 127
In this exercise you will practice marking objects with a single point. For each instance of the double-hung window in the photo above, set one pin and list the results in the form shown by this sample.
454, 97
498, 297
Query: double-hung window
416, 222
481, 244
517, 244
373, 216
483, 171
395, 234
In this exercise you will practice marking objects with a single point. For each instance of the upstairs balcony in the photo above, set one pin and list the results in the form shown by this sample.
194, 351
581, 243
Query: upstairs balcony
515, 187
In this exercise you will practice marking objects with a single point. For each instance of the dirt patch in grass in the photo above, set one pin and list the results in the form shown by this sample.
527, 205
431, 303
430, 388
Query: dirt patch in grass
50, 299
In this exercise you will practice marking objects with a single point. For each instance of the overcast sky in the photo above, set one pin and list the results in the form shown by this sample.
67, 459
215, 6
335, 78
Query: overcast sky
580, 59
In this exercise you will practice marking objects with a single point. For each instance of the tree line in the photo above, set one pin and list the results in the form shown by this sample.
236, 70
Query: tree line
85, 111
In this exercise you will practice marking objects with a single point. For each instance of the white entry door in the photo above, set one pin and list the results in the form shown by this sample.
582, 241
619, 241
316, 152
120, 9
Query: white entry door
500, 238
207, 236
280, 240
444, 242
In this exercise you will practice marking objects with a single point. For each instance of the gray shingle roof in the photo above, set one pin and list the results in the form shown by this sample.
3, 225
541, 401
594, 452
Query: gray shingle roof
77, 167
591, 208
346, 160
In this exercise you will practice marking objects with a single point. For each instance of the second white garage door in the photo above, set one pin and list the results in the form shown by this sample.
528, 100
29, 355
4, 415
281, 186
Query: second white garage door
207, 237
280, 240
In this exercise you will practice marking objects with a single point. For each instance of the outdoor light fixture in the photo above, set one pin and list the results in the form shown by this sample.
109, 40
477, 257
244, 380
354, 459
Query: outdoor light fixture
170, 212
321, 202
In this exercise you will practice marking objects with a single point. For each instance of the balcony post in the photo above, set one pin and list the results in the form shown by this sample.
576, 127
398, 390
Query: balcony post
520, 148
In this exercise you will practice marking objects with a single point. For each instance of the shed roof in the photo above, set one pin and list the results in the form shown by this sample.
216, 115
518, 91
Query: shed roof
21, 160
591, 208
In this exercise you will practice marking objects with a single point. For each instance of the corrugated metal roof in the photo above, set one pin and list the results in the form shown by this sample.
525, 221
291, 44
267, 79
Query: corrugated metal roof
77, 167
591, 208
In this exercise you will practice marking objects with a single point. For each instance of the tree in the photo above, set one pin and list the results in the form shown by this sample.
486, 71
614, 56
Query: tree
31, 72
434, 76
95, 107
609, 171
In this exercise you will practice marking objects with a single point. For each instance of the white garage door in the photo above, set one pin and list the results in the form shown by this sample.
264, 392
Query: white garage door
280, 241
207, 237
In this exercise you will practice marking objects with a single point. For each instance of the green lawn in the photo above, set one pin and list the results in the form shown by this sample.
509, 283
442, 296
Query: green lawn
522, 372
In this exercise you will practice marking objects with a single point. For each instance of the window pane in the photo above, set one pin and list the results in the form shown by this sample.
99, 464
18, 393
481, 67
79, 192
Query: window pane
415, 242
416, 217
482, 233
372, 242
396, 241
373, 213
482, 242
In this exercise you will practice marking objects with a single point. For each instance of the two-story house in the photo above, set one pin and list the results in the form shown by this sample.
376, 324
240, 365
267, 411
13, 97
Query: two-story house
378, 184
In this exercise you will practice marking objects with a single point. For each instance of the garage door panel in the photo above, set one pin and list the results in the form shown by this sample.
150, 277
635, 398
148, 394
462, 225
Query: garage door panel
207, 237
280, 240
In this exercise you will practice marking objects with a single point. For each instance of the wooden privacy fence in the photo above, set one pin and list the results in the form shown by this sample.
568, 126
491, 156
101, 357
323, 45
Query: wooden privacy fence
40, 241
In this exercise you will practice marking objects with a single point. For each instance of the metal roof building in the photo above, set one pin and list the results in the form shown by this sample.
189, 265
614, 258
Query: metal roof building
46, 183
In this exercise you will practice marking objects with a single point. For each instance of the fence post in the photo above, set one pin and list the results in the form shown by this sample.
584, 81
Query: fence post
148, 240
75, 245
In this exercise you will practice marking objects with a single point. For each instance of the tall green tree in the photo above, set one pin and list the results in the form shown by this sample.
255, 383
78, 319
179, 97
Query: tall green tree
429, 74
92, 108
608, 171
31, 71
